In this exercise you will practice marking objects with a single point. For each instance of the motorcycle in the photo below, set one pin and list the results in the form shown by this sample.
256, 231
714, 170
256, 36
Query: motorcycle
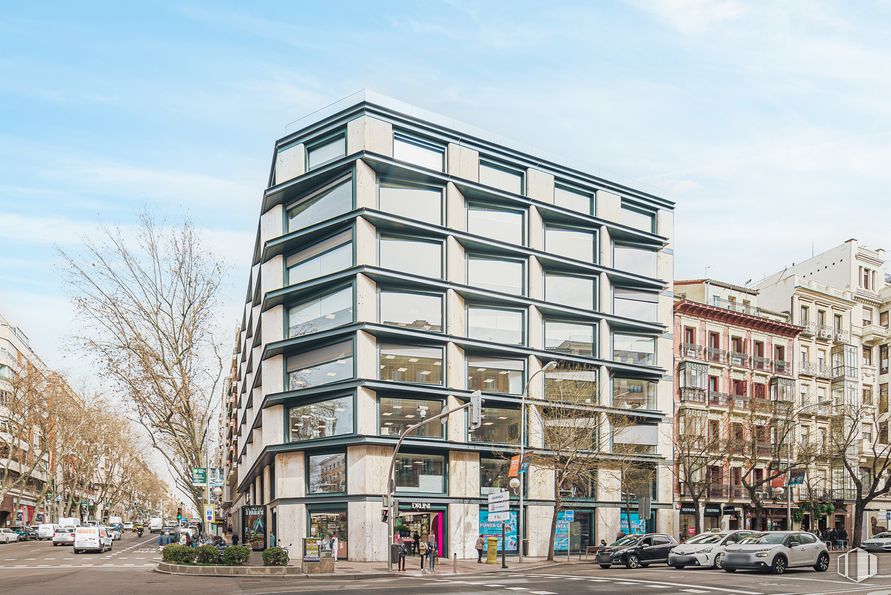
139, 532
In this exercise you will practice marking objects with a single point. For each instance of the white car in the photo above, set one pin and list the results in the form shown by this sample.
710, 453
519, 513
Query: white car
880, 542
706, 549
775, 551
128, 526
46, 531
91, 539
63, 536
8, 535
113, 533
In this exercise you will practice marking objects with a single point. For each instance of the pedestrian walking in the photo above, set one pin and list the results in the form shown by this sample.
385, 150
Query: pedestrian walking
432, 552
417, 543
401, 565
334, 543
480, 544
422, 550
833, 539
271, 539
843, 538
235, 539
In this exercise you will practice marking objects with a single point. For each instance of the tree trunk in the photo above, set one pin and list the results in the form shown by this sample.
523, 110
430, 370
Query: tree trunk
553, 539
759, 510
857, 530
698, 522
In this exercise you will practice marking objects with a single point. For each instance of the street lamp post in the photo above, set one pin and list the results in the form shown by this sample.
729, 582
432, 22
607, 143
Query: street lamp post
547, 368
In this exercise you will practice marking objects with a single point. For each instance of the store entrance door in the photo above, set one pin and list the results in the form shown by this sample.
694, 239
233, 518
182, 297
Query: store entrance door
411, 527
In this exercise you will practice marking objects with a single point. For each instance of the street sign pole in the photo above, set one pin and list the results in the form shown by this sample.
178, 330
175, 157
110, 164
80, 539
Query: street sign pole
503, 546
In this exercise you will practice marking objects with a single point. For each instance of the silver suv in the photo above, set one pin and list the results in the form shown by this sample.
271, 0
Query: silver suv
775, 551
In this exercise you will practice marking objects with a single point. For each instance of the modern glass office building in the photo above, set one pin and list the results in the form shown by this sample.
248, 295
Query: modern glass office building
404, 260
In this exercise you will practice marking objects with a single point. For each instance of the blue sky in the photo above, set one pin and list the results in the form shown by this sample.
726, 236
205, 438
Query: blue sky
768, 123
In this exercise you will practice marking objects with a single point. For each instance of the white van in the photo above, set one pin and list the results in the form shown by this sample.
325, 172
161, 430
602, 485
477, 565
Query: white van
155, 524
91, 539
46, 531
69, 521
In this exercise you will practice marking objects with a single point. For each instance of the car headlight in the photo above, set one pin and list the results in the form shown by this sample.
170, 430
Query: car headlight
706, 550
619, 552
761, 554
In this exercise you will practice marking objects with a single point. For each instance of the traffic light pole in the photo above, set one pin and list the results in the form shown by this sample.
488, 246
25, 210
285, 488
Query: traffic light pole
390, 498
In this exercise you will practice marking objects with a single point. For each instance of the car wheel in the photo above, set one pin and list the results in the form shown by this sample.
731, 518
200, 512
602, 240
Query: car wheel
632, 561
779, 565
679, 566
605, 565
822, 564
719, 561
729, 569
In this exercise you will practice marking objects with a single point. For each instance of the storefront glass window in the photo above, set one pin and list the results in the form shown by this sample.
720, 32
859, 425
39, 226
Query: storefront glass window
420, 473
328, 525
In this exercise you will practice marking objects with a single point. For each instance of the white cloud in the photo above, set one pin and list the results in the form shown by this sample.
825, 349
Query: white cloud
693, 16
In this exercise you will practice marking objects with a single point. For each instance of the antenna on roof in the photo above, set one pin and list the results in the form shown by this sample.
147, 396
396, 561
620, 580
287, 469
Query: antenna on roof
707, 267
747, 283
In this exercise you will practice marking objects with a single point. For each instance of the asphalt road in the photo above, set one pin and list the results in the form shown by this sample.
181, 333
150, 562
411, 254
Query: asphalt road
39, 568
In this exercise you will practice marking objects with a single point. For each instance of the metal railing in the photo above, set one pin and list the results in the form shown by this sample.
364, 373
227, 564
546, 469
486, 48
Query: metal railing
691, 350
692, 395
760, 362
739, 358
716, 355
718, 399
781, 366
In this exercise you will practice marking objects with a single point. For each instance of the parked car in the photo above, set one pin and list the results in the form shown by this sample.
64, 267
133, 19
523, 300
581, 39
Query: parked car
114, 533
46, 531
8, 535
24, 533
880, 542
63, 536
128, 526
637, 550
706, 549
91, 539
775, 551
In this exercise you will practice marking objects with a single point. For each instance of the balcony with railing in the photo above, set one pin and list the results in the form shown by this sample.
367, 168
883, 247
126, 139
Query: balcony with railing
824, 371
872, 334
808, 328
716, 399
739, 359
718, 490
807, 368
691, 351
781, 366
716, 355
738, 491
762, 363
692, 395
741, 402
825, 332
763, 449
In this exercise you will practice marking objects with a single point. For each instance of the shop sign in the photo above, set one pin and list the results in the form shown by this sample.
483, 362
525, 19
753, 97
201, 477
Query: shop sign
199, 476
712, 510
253, 527
687, 508
730, 510
420, 505
691, 530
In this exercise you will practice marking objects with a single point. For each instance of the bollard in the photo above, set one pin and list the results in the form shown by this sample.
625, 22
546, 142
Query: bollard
454, 563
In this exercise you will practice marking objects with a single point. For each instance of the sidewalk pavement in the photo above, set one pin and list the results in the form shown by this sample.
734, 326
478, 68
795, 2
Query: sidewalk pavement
348, 569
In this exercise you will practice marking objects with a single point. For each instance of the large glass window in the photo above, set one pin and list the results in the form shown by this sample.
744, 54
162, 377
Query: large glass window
495, 375
321, 420
500, 176
496, 325
572, 385
417, 151
420, 473
321, 313
498, 275
493, 475
638, 218
569, 242
321, 366
324, 151
421, 203
498, 224
409, 363
327, 473
327, 256
574, 200
577, 292
398, 414
500, 426
634, 393
412, 310
639, 305
634, 349
330, 524
327, 204
407, 255
569, 337
634, 260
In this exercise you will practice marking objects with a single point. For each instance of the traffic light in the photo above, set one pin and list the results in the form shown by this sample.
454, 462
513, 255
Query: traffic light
476, 410
385, 515
179, 513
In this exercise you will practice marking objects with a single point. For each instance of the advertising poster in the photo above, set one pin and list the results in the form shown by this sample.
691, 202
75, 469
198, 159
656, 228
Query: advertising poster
253, 527
638, 525
562, 540
489, 528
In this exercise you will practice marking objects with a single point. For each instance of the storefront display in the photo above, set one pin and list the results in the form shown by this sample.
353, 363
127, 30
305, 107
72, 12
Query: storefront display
422, 523
325, 526
576, 534
493, 529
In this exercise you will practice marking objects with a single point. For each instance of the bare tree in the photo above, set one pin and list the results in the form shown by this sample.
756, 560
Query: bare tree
865, 456
571, 427
148, 302
696, 451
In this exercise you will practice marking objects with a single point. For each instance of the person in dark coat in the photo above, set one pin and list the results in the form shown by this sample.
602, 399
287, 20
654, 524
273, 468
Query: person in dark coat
235, 539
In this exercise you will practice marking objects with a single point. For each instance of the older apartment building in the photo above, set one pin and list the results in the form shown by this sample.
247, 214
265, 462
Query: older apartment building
404, 260
841, 300
735, 380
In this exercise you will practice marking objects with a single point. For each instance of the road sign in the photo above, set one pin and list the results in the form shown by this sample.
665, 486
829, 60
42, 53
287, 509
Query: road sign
199, 476
216, 477
499, 517
569, 515
499, 506
208, 514
502, 496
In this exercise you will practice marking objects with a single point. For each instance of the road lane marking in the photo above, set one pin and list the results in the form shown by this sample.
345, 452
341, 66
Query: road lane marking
542, 593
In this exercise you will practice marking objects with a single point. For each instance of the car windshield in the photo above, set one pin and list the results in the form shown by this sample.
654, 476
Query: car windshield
884, 535
769, 538
629, 540
706, 538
